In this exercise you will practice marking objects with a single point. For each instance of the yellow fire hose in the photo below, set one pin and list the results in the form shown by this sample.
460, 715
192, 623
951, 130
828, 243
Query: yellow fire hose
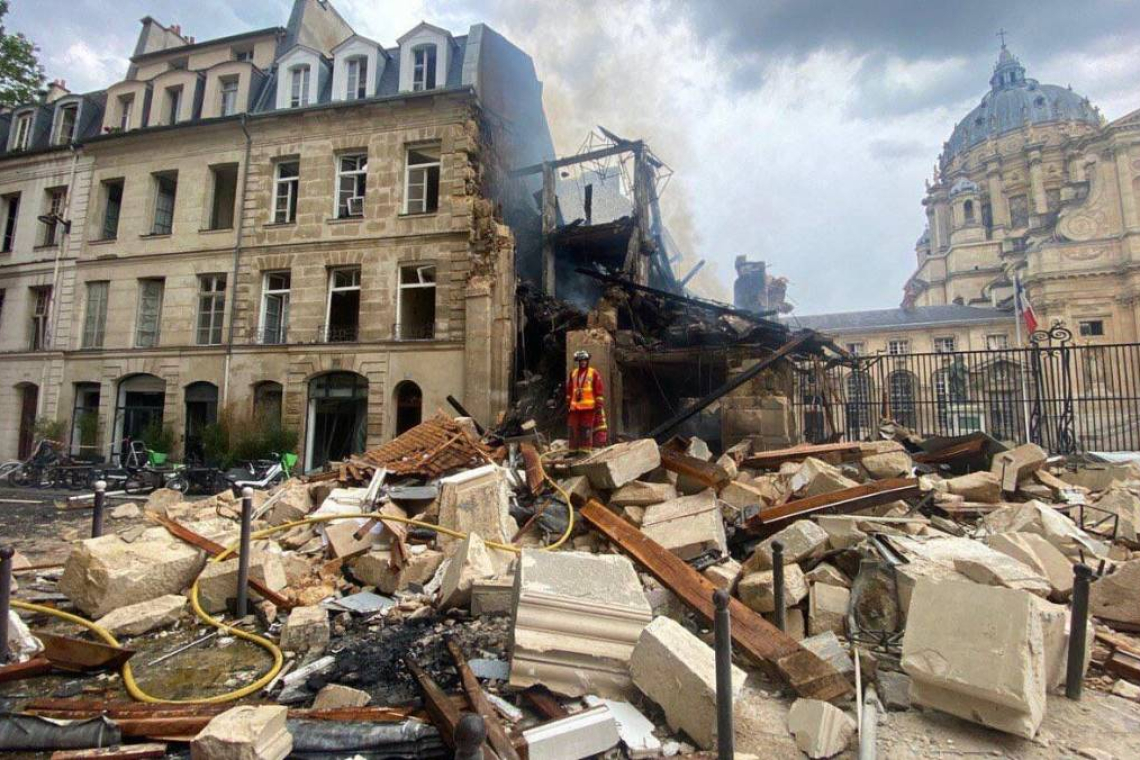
136, 691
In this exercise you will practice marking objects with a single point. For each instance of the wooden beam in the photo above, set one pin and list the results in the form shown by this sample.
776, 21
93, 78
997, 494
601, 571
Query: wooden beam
128, 752
705, 473
581, 158
443, 712
771, 460
840, 502
496, 734
805, 672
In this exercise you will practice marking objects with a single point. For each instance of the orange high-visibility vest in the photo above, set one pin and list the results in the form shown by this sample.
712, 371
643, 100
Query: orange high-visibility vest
582, 396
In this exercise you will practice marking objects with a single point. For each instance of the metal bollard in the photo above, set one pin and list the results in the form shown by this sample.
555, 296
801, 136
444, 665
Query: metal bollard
242, 606
470, 735
1078, 631
100, 503
6, 553
778, 585
722, 629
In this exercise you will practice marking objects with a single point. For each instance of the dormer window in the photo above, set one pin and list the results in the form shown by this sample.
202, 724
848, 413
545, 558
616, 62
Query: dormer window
243, 55
423, 72
66, 120
23, 132
357, 79
173, 104
126, 105
299, 86
229, 94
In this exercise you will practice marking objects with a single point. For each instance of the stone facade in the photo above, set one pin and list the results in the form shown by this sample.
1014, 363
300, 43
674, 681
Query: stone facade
211, 348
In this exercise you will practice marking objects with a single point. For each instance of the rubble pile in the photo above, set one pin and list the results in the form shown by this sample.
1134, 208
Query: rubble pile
568, 600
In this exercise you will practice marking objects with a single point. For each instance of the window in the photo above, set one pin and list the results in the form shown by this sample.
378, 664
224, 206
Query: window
857, 348
65, 127
997, 342
54, 214
423, 69
173, 104
421, 181
1018, 211
211, 308
275, 307
11, 214
898, 346
112, 206
357, 87
342, 323
95, 322
351, 177
229, 96
902, 392
944, 345
285, 192
968, 211
415, 303
150, 313
299, 86
165, 191
41, 305
243, 55
23, 132
126, 106
225, 196
1091, 328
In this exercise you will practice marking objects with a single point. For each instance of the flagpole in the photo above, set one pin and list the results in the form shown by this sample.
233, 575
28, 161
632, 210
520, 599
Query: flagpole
1017, 312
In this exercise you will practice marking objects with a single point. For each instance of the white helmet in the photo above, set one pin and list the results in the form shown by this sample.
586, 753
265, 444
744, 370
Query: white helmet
580, 355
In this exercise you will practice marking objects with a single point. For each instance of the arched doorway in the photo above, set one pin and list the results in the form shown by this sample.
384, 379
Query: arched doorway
337, 419
29, 403
201, 410
138, 405
409, 403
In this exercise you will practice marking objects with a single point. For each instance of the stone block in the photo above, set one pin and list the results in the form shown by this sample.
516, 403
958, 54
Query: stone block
1040, 555
105, 573
161, 499
886, 459
343, 543
1047, 522
821, 729
218, 581
829, 574
137, 619
477, 501
982, 487
831, 650
1003, 570
741, 496
894, 690
728, 464
306, 628
977, 652
723, 575
334, 696
1116, 597
802, 540
375, 569
614, 466
687, 526
294, 504
1015, 465
816, 477
756, 589
842, 532
245, 733
827, 608
578, 487
642, 494
1125, 504
470, 563
493, 596
676, 670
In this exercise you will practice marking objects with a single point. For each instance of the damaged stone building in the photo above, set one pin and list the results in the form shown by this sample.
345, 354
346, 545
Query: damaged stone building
298, 222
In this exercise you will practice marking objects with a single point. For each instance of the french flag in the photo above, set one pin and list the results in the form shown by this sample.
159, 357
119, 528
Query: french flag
1024, 308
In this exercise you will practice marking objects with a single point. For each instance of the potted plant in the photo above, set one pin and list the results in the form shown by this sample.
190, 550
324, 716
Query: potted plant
159, 441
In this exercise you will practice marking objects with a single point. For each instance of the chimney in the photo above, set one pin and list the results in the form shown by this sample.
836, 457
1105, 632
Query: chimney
56, 90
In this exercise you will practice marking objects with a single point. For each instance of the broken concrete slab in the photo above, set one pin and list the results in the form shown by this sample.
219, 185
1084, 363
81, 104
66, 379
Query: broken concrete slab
815, 477
676, 670
1017, 464
1115, 597
577, 618
307, 628
218, 582
105, 573
829, 574
376, 569
757, 589
827, 608
640, 493
802, 540
137, 619
821, 729
613, 467
983, 487
335, 696
471, 562
477, 501
977, 652
245, 733
688, 526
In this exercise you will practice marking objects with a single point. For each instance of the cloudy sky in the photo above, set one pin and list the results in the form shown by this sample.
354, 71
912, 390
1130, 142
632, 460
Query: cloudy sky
800, 130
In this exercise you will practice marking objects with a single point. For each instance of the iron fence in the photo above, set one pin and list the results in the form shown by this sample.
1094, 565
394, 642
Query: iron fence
1062, 396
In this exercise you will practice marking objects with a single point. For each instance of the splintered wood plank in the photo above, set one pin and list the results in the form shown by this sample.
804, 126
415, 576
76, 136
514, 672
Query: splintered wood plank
705, 473
772, 459
840, 502
496, 734
806, 673
129, 752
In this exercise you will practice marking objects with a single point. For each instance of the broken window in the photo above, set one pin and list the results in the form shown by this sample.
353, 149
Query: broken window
423, 68
211, 308
11, 214
149, 313
285, 193
338, 417
54, 215
415, 303
421, 181
225, 195
95, 321
275, 307
112, 208
23, 138
41, 307
351, 179
165, 192
342, 323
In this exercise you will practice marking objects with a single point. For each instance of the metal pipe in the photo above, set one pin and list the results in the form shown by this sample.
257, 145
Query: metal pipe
6, 554
243, 560
1078, 631
868, 724
100, 502
781, 612
722, 625
470, 735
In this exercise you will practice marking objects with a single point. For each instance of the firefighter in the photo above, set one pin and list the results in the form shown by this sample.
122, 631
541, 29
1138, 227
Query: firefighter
585, 397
